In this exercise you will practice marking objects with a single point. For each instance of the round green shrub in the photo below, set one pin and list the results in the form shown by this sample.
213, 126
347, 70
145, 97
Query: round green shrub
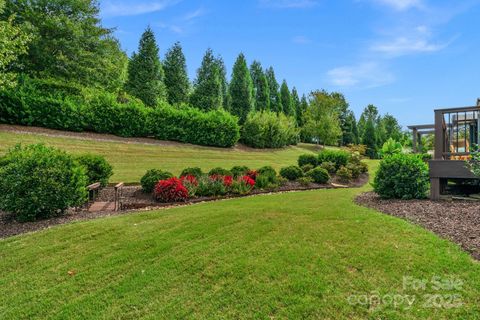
355, 169
305, 181
319, 175
97, 168
305, 159
220, 172
338, 157
329, 166
402, 176
291, 173
239, 171
307, 168
344, 174
38, 182
151, 178
266, 178
195, 171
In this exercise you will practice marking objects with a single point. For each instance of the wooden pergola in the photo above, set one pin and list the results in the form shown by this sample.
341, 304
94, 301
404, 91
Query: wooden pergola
417, 132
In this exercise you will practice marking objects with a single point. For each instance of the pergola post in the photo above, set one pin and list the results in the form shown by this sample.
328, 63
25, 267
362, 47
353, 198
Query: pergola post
415, 135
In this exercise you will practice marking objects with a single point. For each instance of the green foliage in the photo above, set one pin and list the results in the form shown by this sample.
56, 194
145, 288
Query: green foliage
208, 187
355, 170
176, 77
329, 166
305, 181
269, 130
274, 88
195, 171
391, 147
241, 90
68, 42
208, 87
214, 128
321, 119
369, 139
297, 106
338, 157
266, 178
260, 85
240, 187
96, 167
220, 171
239, 171
349, 128
38, 182
305, 159
151, 178
307, 167
402, 176
344, 174
319, 175
291, 172
145, 72
286, 100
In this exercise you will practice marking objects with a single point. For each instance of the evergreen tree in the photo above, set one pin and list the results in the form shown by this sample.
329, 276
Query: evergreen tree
241, 89
176, 78
349, 129
303, 108
369, 138
286, 99
260, 85
296, 105
145, 72
207, 93
223, 80
274, 88
392, 128
370, 112
67, 42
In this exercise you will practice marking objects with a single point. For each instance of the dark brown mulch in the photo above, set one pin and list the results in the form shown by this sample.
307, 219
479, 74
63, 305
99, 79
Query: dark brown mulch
134, 201
458, 221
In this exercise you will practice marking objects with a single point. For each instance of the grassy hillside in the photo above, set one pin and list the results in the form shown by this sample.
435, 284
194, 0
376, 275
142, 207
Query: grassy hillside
285, 256
131, 160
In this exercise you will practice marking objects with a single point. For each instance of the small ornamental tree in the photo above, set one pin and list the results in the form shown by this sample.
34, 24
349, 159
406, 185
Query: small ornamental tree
145, 72
176, 77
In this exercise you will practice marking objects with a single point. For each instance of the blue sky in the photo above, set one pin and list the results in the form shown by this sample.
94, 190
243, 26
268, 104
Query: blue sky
407, 57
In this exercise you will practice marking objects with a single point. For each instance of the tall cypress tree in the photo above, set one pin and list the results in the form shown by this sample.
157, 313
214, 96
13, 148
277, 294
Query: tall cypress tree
274, 87
241, 89
176, 78
260, 85
286, 99
296, 105
207, 93
369, 138
223, 80
145, 72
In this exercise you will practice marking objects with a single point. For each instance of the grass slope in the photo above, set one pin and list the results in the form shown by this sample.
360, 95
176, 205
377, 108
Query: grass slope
282, 256
131, 160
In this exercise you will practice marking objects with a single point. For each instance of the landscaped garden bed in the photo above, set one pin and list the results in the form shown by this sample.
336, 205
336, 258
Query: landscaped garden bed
458, 221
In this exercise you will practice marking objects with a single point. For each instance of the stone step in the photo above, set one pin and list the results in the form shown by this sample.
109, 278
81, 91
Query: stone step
99, 206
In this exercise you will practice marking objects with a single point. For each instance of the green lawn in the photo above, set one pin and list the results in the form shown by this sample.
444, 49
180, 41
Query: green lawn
284, 256
131, 160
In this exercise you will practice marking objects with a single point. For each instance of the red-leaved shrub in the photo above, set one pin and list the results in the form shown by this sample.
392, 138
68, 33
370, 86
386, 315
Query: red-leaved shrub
249, 181
252, 174
171, 190
227, 181
189, 179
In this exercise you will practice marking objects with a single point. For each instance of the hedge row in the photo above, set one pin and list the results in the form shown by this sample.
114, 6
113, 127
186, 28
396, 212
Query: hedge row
102, 112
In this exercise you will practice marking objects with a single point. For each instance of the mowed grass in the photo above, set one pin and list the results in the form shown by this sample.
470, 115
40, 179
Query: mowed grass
297, 255
131, 160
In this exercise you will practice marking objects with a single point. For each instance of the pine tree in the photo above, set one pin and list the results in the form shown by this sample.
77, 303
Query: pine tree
223, 80
241, 89
207, 93
145, 72
369, 138
260, 85
349, 129
297, 105
286, 100
176, 77
274, 88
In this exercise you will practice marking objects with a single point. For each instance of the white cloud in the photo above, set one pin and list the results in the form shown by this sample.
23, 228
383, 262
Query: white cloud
133, 8
288, 4
301, 40
401, 5
194, 14
364, 75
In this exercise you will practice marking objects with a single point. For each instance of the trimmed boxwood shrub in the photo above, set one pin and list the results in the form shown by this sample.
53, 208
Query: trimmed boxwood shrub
195, 171
291, 173
97, 168
307, 168
151, 178
266, 178
338, 157
269, 130
305, 159
38, 182
219, 172
402, 176
239, 171
319, 175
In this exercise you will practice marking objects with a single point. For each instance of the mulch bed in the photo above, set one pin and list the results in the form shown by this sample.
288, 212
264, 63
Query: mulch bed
458, 221
136, 201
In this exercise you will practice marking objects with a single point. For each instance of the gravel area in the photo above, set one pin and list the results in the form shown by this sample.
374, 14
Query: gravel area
458, 221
